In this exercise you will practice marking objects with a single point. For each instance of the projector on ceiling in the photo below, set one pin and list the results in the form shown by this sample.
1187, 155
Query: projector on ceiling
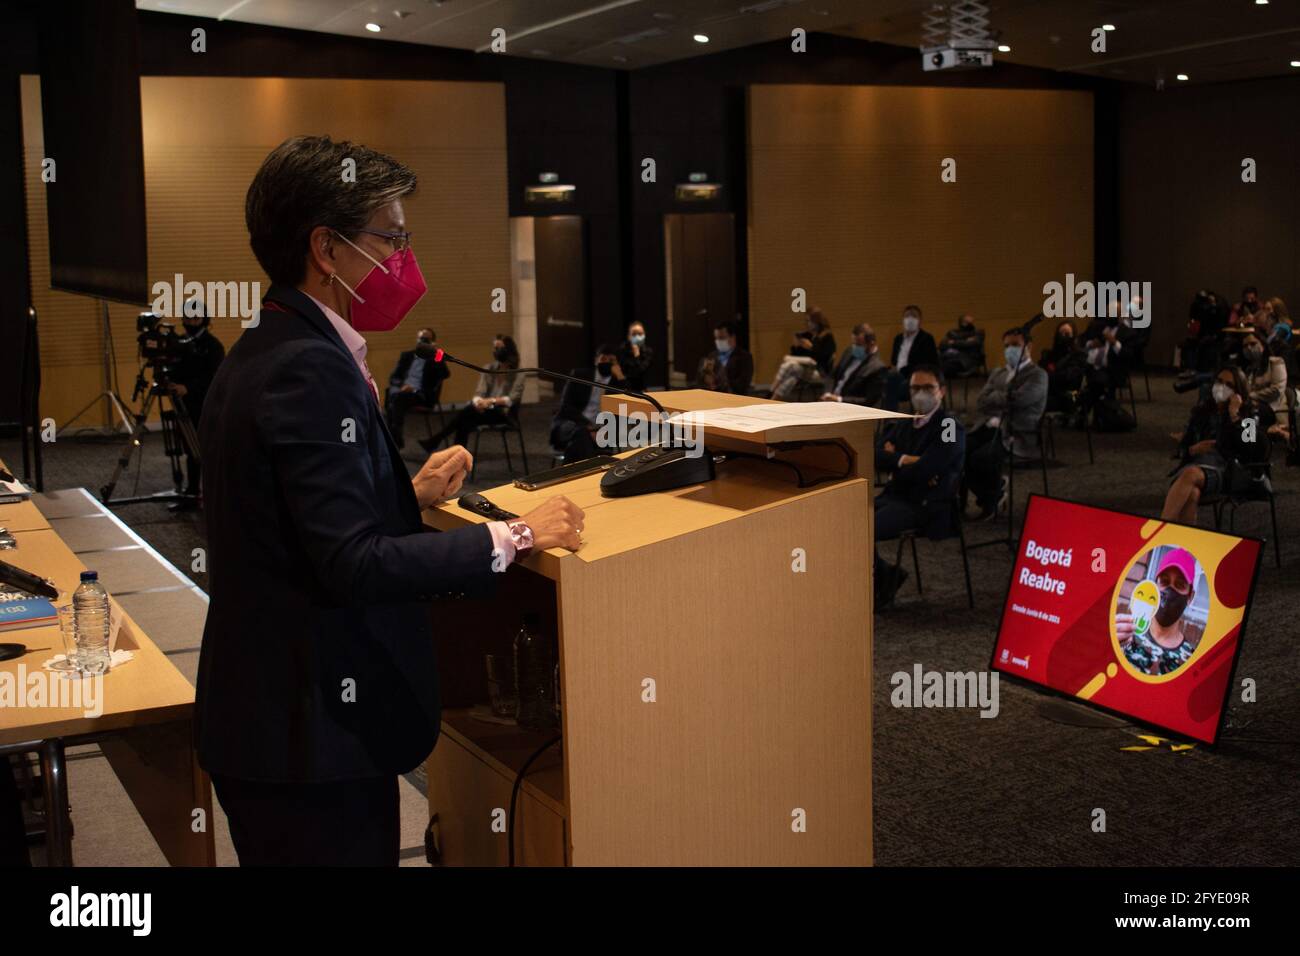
950, 58
956, 36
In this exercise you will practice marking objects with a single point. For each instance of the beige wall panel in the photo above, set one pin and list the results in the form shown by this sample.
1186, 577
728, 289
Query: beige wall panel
846, 201
204, 138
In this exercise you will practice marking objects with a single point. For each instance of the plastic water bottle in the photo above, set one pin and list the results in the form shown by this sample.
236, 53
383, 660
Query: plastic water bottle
90, 609
533, 676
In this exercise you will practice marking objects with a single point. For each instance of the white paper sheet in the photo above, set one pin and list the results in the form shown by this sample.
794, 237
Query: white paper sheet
757, 418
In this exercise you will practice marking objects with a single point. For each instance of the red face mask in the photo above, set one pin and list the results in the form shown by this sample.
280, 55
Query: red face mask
387, 293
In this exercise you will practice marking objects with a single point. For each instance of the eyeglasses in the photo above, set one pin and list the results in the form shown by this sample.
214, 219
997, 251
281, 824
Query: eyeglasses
399, 240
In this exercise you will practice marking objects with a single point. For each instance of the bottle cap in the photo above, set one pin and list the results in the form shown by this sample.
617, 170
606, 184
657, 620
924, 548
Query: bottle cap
90, 575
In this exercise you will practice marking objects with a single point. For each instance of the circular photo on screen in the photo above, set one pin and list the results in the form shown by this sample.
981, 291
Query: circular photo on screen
1161, 611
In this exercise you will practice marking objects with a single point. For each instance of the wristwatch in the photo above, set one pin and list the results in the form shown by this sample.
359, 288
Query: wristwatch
522, 535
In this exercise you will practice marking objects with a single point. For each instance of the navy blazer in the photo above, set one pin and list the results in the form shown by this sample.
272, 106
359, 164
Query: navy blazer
318, 654
931, 484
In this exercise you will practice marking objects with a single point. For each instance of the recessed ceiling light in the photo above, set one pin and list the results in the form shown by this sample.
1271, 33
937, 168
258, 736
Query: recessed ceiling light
1181, 76
1108, 27
1261, 3
1295, 62
1004, 48
701, 38
373, 27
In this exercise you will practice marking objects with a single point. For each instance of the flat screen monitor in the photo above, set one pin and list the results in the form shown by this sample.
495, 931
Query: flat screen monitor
1134, 615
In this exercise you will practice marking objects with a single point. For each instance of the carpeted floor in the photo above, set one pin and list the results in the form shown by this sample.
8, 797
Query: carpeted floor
952, 788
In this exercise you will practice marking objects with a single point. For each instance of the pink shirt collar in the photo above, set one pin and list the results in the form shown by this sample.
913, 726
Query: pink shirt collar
350, 336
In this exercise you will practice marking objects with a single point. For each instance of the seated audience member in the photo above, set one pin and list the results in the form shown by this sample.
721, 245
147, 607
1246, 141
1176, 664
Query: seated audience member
728, 368
912, 346
924, 458
962, 350
1207, 317
1279, 340
1223, 436
1007, 413
859, 376
416, 380
495, 395
809, 361
635, 357
816, 341
1066, 365
574, 428
1265, 373
1244, 311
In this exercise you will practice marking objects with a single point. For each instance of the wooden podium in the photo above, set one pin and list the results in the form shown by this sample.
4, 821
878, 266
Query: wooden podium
715, 658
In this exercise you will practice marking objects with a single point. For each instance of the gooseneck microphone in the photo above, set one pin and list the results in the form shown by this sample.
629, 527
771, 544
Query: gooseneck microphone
432, 352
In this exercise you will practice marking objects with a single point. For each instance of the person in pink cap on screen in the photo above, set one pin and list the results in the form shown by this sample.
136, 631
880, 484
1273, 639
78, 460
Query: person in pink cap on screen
1164, 647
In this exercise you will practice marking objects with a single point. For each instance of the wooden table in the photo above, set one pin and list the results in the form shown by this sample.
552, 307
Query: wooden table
144, 728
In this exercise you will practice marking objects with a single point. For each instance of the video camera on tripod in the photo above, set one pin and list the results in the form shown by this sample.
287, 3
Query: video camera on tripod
161, 349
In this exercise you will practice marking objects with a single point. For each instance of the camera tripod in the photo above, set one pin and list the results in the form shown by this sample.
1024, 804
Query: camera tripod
179, 438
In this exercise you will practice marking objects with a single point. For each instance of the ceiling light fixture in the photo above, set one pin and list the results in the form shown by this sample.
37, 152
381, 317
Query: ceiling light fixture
1004, 48
1181, 76
701, 38
1108, 27
373, 27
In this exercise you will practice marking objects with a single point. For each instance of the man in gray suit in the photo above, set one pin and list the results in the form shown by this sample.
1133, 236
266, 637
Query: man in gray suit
859, 376
1007, 413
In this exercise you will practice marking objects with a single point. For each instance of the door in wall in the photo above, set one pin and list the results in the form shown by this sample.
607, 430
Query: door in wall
563, 326
700, 255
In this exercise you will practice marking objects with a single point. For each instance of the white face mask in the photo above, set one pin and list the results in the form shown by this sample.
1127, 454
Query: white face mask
1221, 392
910, 324
924, 402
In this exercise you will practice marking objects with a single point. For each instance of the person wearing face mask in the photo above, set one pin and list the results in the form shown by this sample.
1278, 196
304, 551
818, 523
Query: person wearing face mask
190, 378
859, 376
1164, 645
912, 346
1265, 373
1065, 363
318, 681
498, 391
1217, 448
1008, 410
635, 357
416, 380
574, 428
923, 458
962, 348
816, 341
728, 368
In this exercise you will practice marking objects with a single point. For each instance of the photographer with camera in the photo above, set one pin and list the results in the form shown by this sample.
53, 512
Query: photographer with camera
198, 354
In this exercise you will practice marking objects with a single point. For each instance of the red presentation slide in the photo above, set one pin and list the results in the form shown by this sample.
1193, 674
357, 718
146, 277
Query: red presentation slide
1137, 615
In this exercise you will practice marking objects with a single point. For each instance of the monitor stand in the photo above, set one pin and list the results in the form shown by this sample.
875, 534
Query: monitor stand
1076, 715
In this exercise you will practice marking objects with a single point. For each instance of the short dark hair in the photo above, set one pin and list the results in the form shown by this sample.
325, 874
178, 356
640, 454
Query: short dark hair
1017, 330
726, 325
862, 328
912, 308
606, 349
928, 370
300, 186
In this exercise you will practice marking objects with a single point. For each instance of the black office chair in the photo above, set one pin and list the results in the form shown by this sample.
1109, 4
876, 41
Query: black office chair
509, 427
1052, 417
1259, 490
1022, 462
909, 537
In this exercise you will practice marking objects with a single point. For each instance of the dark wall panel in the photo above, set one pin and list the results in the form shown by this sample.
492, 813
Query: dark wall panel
1186, 219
